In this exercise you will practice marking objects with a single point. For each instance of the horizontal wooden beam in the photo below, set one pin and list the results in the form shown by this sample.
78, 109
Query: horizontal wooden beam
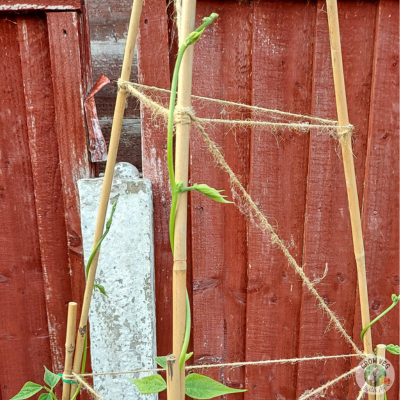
48, 5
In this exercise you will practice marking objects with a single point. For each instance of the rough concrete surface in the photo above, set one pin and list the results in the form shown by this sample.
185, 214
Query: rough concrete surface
122, 325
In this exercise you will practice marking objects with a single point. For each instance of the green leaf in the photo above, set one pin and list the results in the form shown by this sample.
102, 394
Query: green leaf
201, 387
162, 361
45, 396
100, 288
150, 384
27, 391
210, 192
50, 378
393, 348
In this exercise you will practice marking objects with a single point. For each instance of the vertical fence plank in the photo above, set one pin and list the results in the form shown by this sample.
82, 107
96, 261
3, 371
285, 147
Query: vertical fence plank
39, 104
64, 39
153, 65
282, 67
381, 195
71, 133
219, 273
327, 228
24, 335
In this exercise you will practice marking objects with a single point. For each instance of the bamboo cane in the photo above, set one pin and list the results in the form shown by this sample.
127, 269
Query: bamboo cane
108, 176
349, 171
69, 346
348, 164
380, 353
181, 174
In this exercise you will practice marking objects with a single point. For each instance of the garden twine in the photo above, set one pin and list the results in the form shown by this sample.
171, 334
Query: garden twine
81, 380
182, 115
322, 388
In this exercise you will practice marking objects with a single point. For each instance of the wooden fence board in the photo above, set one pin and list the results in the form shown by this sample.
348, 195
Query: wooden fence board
381, 195
24, 335
282, 79
153, 66
71, 132
39, 104
219, 274
69, 83
328, 237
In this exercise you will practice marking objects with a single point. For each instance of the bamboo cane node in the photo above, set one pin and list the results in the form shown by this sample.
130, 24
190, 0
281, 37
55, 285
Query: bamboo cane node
82, 331
180, 265
360, 257
171, 359
70, 349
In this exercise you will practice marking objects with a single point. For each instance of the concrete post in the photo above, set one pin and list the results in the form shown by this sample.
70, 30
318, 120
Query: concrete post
122, 325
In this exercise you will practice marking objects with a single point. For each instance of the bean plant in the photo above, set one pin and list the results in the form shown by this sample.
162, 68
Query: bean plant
196, 386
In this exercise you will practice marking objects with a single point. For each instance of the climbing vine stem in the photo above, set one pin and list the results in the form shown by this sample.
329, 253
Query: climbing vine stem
196, 386
395, 300
177, 186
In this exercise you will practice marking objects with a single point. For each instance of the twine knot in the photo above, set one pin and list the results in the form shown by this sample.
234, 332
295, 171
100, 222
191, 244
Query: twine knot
344, 131
184, 115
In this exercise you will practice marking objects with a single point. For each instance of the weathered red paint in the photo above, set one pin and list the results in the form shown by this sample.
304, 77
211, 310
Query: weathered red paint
282, 79
65, 55
219, 273
300, 184
71, 132
40, 115
48, 5
24, 333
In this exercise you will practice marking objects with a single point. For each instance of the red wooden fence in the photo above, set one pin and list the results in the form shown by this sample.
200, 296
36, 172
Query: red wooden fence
247, 303
43, 153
